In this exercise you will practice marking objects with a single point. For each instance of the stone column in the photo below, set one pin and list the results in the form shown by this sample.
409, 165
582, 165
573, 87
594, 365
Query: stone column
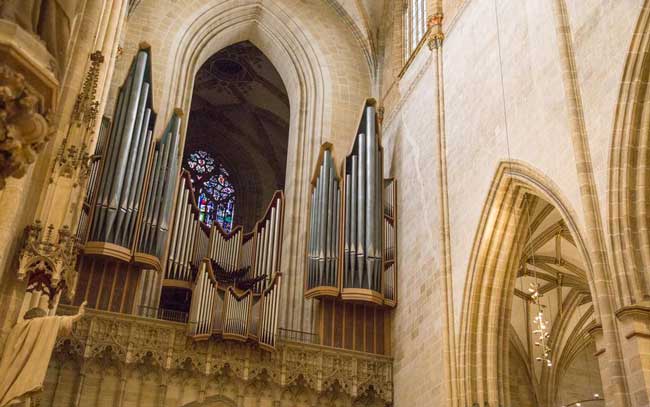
634, 324
612, 370
435, 42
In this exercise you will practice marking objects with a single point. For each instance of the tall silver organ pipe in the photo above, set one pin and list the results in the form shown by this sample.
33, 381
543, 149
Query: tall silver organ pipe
324, 221
188, 241
351, 249
204, 297
160, 190
268, 242
93, 177
236, 314
268, 323
224, 247
124, 164
363, 225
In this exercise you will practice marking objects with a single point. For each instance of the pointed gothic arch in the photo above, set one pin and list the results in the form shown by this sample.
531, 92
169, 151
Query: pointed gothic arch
628, 207
295, 52
490, 282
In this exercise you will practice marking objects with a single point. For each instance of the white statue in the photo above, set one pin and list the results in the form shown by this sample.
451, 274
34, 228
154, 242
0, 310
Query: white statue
27, 354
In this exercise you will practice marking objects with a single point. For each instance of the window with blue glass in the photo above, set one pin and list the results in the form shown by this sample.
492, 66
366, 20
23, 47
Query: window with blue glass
215, 194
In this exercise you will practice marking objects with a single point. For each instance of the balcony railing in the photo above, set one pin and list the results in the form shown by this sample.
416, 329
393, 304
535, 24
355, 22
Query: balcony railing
164, 314
158, 344
298, 336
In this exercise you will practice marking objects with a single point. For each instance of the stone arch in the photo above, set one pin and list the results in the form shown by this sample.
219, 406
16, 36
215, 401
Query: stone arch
322, 108
629, 184
487, 300
213, 401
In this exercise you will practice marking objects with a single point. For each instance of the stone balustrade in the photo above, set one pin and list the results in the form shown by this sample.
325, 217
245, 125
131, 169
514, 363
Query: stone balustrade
104, 341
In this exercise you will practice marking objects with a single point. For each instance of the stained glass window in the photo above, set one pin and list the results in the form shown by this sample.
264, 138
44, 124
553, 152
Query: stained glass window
215, 193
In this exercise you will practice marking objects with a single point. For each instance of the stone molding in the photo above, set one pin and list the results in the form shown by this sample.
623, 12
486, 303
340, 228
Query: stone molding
635, 320
163, 347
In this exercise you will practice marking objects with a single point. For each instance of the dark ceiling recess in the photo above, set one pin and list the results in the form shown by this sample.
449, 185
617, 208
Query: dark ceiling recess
240, 115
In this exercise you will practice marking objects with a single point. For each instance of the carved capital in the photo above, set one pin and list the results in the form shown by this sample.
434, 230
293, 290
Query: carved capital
634, 321
434, 27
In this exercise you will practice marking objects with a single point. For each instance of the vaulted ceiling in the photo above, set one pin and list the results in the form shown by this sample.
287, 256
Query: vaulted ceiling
240, 115
551, 260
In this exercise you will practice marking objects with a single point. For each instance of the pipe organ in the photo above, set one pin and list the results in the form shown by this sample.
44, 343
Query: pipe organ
239, 280
145, 249
351, 248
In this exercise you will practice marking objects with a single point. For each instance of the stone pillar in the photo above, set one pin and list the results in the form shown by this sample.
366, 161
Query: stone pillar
634, 324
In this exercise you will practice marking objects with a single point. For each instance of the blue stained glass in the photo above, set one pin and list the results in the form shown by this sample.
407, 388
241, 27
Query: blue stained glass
216, 195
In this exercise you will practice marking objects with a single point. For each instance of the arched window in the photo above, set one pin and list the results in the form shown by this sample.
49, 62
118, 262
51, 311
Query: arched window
415, 25
215, 194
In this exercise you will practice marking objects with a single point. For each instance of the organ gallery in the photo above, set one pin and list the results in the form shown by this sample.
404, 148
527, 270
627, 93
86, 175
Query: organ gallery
289, 203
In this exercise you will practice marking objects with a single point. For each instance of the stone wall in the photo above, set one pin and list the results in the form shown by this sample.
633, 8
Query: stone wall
504, 100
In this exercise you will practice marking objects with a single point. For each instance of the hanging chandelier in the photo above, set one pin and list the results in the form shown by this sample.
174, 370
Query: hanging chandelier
540, 326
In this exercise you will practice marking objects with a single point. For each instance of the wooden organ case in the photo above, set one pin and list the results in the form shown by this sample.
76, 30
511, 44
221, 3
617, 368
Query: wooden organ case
351, 251
143, 241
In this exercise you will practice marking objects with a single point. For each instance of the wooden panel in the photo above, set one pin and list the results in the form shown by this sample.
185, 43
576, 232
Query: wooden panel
338, 324
349, 326
131, 285
369, 331
118, 292
354, 326
93, 288
327, 326
379, 329
106, 285
358, 327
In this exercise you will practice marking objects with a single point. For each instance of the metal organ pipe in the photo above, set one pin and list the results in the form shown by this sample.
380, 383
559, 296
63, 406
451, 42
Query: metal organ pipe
159, 197
125, 153
125, 205
353, 221
128, 124
240, 313
323, 233
364, 239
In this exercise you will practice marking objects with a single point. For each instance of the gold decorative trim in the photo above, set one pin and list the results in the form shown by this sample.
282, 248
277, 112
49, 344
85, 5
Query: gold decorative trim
363, 295
323, 291
108, 250
147, 260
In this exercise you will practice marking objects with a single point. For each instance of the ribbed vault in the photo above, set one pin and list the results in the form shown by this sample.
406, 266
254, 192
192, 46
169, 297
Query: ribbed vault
526, 229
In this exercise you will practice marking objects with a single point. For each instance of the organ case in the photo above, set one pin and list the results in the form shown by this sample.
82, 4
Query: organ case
351, 250
143, 239
236, 293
